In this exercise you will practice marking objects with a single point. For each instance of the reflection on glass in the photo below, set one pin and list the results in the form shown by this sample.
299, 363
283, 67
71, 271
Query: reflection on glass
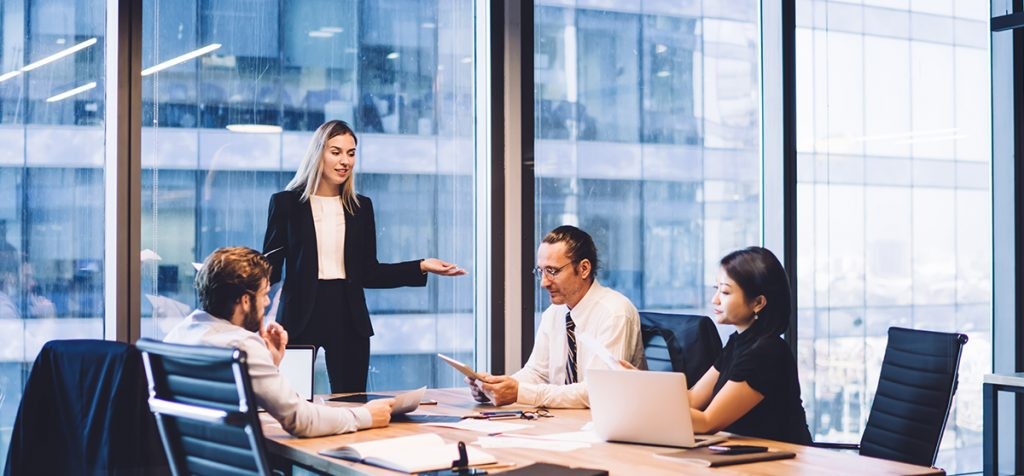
51, 184
646, 121
401, 72
893, 203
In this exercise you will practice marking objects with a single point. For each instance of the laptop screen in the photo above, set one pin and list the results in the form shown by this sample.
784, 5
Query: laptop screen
297, 368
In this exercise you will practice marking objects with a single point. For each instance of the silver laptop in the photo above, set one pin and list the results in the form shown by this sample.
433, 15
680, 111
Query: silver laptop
643, 407
297, 368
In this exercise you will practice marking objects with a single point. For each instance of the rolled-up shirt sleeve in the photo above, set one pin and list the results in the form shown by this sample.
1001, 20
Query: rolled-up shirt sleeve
297, 416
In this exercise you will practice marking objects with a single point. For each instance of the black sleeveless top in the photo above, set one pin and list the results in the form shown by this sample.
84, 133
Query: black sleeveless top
768, 366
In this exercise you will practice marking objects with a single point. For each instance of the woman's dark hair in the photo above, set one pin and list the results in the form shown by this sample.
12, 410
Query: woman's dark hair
578, 244
758, 273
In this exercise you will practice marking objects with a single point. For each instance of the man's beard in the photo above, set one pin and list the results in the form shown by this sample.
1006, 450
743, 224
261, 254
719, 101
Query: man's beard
253, 321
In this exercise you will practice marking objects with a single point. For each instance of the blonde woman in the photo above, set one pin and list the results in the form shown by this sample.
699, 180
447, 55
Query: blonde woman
323, 232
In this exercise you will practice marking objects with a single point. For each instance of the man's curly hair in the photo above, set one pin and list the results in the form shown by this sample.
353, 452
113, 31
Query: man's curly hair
226, 275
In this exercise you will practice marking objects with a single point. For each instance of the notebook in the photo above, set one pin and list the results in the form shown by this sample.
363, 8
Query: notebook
410, 454
711, 459
643, 407
297, 368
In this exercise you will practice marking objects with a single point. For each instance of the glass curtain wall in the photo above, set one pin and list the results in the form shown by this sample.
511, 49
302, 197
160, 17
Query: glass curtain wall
893, 208
226, 127
647, 137
51, 184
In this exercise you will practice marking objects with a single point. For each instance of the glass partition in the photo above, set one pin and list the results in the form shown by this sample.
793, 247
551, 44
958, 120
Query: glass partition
893, 208
226, 126
51, 184
647, 137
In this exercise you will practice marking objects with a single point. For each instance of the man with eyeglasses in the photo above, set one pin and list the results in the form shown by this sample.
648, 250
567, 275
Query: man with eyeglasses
582, 314
233, 286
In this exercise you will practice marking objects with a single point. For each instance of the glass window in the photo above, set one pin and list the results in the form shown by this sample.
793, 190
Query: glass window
893, 207
51, 184
400, 72
647, 137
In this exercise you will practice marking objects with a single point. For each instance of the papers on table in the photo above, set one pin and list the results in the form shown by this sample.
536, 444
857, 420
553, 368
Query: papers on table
509, 441
482, 426
576, 436
410, 454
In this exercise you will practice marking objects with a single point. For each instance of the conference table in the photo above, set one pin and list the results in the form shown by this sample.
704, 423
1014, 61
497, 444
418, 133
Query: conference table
616, 458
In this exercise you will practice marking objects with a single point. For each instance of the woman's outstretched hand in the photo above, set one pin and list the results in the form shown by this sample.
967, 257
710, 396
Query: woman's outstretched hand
436, 266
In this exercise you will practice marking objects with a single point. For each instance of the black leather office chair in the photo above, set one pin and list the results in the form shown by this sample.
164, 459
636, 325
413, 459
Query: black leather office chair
680, 343
204, 406
83, 411
915, 390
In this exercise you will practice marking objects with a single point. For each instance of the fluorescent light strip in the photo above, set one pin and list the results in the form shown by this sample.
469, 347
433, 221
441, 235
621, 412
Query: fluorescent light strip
71, 92
180, 59
9, 75
58, 55
254, 128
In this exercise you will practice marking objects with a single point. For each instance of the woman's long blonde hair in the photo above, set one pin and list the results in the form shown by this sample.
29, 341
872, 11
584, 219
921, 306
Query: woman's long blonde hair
307, 177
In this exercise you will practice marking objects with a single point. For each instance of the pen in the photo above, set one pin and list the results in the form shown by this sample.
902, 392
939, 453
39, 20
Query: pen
428, 402
497, 465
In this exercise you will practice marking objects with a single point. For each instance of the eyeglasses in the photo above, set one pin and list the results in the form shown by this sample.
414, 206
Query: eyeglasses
507, 414
538, 413
551, 272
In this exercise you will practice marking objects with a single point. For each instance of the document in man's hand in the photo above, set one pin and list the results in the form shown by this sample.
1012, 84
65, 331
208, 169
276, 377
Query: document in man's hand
461, 367
411, 454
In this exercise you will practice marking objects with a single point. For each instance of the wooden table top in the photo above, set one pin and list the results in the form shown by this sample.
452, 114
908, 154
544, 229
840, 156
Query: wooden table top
617, 458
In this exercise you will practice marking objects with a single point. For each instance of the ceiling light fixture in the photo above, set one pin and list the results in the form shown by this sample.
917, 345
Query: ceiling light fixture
71, 92
180, 59
58, 55
254, 128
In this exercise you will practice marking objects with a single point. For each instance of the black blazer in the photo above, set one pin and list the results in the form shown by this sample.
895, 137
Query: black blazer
290, 227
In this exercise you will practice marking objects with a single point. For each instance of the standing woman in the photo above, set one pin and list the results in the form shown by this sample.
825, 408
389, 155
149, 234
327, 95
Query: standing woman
324, 233
753, 389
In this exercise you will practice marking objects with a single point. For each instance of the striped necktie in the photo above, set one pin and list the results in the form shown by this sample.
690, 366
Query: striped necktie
570, 362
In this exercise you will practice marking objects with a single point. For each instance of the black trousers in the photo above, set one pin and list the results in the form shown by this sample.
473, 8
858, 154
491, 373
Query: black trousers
346, 352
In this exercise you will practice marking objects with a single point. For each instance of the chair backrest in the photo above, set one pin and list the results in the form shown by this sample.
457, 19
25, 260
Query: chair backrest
205, 409
915, 390
83, 411
680, 343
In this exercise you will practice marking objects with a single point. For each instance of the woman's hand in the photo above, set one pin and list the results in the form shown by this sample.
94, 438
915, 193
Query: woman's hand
436, 266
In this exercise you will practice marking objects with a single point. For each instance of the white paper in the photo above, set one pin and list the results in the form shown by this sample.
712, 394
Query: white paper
482, 426
592, 345
197, 266
529, 443
408, 401
577, 436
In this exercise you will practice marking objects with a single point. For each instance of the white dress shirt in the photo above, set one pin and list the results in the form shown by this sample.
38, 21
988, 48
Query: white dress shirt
329, 223
296, 415
603, 314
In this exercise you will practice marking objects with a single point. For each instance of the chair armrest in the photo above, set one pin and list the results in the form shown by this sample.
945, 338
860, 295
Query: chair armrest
836, 446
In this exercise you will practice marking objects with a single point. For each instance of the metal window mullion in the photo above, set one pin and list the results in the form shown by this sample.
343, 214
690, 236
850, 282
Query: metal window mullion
122, 171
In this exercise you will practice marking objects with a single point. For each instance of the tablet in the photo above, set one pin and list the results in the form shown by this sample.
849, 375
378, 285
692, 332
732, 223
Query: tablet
461, 367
